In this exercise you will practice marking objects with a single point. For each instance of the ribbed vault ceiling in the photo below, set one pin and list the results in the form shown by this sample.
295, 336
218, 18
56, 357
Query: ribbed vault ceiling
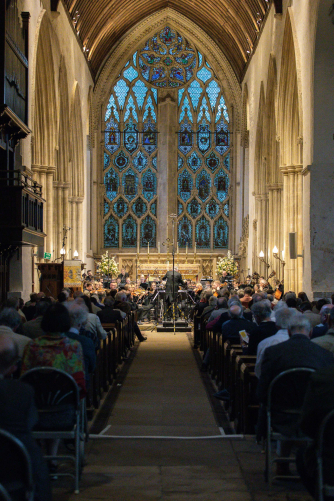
233, 24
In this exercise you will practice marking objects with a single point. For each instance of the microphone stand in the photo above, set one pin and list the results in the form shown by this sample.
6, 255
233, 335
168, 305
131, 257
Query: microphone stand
173, 216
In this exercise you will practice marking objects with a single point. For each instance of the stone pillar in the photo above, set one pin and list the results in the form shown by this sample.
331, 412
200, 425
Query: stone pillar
167, 162
79, 220
66, 219
275, 226
49, 230
261, 209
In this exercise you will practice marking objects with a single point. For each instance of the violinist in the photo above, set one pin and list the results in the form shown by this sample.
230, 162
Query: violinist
143, 283
149, 302
198, 291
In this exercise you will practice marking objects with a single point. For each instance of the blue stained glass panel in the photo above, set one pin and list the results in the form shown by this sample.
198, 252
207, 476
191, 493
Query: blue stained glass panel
149, 137
130, 184
186, 111
179, 208
203, 184
204, 110
111, 182
139, 207
140, 91
226, 209
134, 58
222, 136
148, 232
203, 233
155, 162
221, 184
121, 160
158, 73
222, 109
180, 94
204, 138
106, 208
120, 207
212, 90
200, 59
185, 138
185, 185
131, 109
140, 161
184, 58
155, 94
121, 90
194, 208
130, 74
220, 234
180, 162
227, 162
149, 109
204, 74
149, 182
212, 208
194, 161
112, 136
111, 233
212, 161
131, 137
111, 106
145, 70
151, 58
167, 36
106, 161
195, 91
127, 64
129, 232
153, 208
185, 232
177, 74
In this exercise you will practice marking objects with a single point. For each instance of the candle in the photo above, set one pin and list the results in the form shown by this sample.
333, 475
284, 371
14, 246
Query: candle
177, 247
187, 248
138, 247
283, 255
195, 247
148, 247
159, 247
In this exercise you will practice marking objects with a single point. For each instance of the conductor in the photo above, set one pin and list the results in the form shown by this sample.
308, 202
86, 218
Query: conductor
174, 279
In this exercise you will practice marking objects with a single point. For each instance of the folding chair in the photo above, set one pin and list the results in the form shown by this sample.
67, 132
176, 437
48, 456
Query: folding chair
289, 411
325, 438
60, 413
16, 478
4, 496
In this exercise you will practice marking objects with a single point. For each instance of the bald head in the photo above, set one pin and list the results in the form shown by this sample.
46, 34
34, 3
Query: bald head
236, 311
9, 354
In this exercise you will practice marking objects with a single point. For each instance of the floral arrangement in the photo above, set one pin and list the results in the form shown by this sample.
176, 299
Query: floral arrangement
108, 265
228, 264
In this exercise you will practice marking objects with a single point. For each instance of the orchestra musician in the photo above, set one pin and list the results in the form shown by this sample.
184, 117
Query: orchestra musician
149, 300
123, 276
89, 277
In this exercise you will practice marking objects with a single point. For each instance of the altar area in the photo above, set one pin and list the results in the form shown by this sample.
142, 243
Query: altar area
191, 266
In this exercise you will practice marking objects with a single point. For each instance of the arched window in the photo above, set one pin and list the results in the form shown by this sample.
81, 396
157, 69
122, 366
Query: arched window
167, 60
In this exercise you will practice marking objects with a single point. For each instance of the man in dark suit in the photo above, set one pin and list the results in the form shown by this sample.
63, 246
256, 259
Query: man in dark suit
298, 351
109, 314
173, 280
18, 415
231, 328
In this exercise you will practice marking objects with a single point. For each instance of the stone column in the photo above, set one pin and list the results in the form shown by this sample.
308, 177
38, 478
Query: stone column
275, 226
167, 162
66, 218
49, 210
79, 221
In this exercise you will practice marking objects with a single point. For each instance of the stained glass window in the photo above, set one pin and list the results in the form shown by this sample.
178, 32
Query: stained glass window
148, 232
129, 232
149, 181
111, 182
106, 161
120, 207
185, 233
139, 207
130, 147
111, 233
220, 234
203, 233
194, 208
221, 184
130, 184
185, 185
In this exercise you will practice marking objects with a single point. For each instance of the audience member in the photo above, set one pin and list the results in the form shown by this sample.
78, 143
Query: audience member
93, 324
322, 327
313, 318
246, 300
110, 315
220, 309
231, 328
19, 415
265, 326
29, 310
10, 321
32, 328
327, 340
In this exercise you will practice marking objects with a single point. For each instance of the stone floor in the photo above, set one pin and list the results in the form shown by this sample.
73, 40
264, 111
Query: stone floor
163, 396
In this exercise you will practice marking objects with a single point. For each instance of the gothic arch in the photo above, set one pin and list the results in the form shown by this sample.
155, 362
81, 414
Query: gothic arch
118, 56
291, 154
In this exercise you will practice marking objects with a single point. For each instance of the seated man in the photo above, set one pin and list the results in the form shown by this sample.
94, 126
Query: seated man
109, 314
220, 309
230, 329
19, 415
10, 322
298, 351
32, 328
321, 328
265, 326
327, 340
122, 304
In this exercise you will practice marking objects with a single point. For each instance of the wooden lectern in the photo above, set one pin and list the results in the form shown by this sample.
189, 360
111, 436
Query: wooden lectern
55, 276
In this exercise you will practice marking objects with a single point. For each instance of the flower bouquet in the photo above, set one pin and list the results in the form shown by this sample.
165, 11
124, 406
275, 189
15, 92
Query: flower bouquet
108, 265
228, 264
